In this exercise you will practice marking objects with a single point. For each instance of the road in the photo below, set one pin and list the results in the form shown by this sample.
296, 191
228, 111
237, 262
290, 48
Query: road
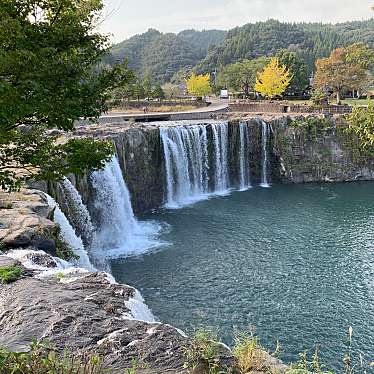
216, 105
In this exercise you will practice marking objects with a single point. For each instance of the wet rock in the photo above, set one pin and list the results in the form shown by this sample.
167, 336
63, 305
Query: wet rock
41, 259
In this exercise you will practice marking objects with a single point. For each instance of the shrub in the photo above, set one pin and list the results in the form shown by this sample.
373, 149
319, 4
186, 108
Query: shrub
43, 360
203, 353
9, 274
249, 355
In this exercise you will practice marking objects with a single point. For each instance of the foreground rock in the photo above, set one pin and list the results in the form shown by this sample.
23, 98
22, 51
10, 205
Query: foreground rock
86, 314
25, 221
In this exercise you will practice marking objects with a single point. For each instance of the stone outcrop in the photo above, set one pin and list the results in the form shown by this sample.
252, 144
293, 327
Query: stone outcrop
85, 314
25, 221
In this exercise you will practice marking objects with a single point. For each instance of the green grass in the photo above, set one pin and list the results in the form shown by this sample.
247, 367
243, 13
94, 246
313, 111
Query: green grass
356, 102
43, 360
9, 274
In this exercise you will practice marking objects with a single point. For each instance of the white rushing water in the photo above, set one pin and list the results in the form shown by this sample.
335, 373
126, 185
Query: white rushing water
187, 163
69, 235
119, 234
265, 156
220, 143
244, 175
78, 212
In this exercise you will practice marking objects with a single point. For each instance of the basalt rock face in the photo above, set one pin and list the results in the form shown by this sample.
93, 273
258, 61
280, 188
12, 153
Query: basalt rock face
139, 151
141, 158
326, 154
294, 156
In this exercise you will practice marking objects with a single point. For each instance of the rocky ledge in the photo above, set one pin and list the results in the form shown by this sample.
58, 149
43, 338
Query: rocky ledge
25, 221
86, 313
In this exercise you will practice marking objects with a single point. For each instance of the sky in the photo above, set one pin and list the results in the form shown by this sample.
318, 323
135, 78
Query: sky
124, 18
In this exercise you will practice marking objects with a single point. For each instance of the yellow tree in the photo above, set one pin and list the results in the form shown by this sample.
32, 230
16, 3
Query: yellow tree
273, 80
199, 85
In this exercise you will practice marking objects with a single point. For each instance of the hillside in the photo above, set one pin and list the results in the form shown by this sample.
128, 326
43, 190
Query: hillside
311, 41
163, 55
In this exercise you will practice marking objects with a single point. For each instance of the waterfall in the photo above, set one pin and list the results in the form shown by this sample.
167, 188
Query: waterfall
220, 143
68, 234
119, 233
77, 211
186, 164
265, 161
244, 175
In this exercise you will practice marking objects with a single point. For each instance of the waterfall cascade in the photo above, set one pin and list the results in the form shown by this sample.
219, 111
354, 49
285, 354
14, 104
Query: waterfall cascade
69, 235
265, 156
119, 234
244, 174
220, 141
187, 164
77, 212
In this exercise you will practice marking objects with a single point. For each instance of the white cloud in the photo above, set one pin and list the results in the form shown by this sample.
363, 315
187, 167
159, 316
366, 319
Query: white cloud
129, 17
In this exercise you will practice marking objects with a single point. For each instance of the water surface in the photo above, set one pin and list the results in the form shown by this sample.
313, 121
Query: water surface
295, 261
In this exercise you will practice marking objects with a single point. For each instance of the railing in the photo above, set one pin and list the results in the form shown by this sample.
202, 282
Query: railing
284, 107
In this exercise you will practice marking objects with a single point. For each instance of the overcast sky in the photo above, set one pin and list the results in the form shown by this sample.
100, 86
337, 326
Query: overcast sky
125, 18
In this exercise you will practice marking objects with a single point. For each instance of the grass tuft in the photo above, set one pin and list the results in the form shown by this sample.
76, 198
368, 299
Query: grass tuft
9, 274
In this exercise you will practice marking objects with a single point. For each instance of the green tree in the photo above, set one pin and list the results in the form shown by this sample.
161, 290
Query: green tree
360, 54
241, 76
361, 123
158, 92
297, 67
138, 90
48, 53
147, 85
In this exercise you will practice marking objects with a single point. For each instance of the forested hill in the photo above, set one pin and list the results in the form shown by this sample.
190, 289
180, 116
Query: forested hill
162, 56
311, 41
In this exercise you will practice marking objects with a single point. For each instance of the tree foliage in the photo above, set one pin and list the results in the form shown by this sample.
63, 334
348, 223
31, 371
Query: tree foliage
241, 76
199, 85
309, 40
49, 50
339, 73
163, 55
273, 80
361, 123
298, 69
